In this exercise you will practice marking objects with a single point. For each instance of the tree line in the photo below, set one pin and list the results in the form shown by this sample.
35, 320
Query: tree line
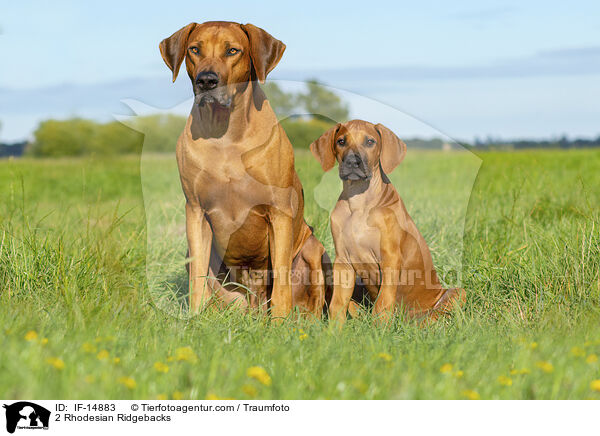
304, 115
525, 144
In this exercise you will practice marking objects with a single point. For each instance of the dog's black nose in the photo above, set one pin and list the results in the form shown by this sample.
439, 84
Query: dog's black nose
353, 161
207, 80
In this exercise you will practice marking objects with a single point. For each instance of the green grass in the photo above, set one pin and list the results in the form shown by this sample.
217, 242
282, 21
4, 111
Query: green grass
91, 258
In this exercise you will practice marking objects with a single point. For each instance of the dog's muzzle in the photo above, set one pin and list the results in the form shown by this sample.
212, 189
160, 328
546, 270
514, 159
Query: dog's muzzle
353, 167
213, 98
208, 91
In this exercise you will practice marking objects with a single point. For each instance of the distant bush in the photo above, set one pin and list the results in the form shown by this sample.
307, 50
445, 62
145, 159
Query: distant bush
79, 137
302, 132
161, 131
62, 138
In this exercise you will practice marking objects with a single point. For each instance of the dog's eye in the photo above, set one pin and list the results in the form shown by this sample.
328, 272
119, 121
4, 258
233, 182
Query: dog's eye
341, 142
232, 51
370, 142
195, 50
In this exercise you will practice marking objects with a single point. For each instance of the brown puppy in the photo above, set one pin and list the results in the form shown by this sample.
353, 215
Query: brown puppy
244, 200
374, 236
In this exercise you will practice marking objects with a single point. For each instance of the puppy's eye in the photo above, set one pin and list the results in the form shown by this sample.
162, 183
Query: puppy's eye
232, 51
370, 142
341, 142
195, 50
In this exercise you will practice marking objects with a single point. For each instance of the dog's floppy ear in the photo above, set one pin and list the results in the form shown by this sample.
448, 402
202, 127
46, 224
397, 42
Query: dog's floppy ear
265, 51
173, 48
323, 148
393, 149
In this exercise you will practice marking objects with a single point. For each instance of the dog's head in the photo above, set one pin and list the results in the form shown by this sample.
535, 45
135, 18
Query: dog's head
221, 58
360, 148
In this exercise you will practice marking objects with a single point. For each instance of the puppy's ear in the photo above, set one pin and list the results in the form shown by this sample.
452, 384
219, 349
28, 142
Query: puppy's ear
173, 48
265, 51
323, 148
393, 149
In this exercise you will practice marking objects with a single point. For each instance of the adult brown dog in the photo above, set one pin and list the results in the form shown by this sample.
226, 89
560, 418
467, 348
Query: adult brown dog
374, 236
244, 200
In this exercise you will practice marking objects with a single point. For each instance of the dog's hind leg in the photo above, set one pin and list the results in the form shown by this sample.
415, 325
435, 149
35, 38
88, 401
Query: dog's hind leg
308, 287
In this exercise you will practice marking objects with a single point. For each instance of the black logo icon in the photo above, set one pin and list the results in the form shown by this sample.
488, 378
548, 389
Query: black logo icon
26, 415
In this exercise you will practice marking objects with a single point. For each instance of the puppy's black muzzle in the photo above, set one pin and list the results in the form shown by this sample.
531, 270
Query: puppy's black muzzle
354, 167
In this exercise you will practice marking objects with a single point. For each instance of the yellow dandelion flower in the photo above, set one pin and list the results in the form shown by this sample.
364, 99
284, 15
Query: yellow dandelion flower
471, 395
505, 381
102, 355
31, 335
524, 371
161, 397
514, 372
533, 345
592, 358
250, 390
89, 379
577, 352
459, 374
595, 385
186, 354
303, 336
117, 360
161, 367
211, 396
446, 368
259, 373
360, 386
128, 382
385, 356
547, 367
56, 362
177, 395
88, 348
44, 341
170, 359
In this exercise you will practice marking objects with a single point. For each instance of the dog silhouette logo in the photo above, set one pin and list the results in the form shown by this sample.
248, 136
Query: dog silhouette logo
26, 415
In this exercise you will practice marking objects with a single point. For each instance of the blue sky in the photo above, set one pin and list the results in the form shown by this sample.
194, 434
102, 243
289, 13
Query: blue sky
469, 68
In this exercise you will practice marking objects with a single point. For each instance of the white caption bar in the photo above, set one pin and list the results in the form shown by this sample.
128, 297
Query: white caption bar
293, 417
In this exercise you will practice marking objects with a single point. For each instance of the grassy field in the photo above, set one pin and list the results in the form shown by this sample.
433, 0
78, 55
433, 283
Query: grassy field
91, 267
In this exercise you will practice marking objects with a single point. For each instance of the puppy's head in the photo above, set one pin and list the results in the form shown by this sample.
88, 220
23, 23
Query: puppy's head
360, 148
221, 58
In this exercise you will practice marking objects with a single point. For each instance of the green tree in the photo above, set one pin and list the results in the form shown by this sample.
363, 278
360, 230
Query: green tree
160, 131
283, 103
322, 103
115, 138
63, 138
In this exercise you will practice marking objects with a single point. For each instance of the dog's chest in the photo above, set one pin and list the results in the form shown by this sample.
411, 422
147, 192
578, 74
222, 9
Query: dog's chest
215, 175
235, 201
361, 241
